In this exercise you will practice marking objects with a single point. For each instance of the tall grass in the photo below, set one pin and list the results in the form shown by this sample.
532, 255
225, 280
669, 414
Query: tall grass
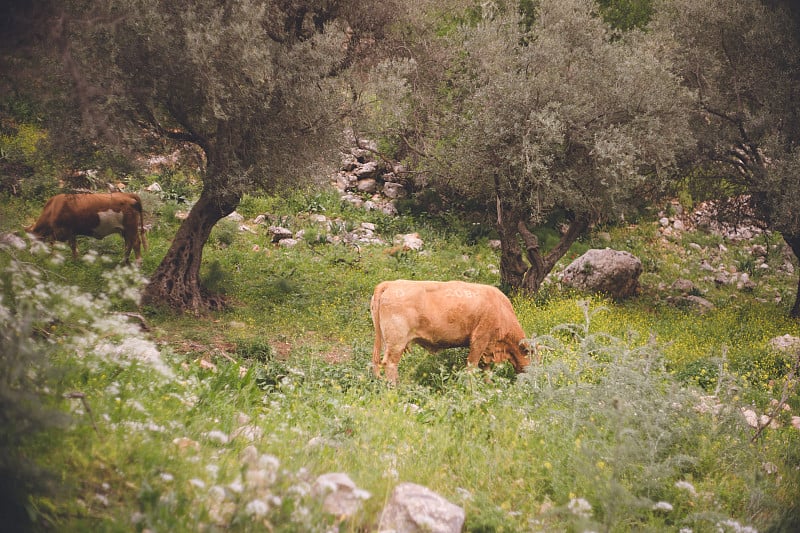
630, 421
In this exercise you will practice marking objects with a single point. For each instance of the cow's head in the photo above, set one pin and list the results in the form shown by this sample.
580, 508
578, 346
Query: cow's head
520, 357
517, 355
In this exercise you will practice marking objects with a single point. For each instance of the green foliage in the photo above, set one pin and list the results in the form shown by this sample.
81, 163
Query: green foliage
626, 15
224, 232
601, 429
25, 169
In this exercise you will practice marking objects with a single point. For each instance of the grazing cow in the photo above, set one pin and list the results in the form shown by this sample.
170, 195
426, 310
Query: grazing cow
437, 315
97, 215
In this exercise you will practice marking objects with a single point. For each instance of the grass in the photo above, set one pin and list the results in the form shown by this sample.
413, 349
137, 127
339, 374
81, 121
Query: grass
607, 420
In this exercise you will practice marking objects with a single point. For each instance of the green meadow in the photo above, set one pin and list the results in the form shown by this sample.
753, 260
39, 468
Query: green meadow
632, 418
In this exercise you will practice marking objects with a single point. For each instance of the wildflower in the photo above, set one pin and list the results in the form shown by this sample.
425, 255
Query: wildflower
166, 477
580, 507
259, 478
735, 526
216, 493
199, 483
257, 508
216, 435
662, 506
685, 485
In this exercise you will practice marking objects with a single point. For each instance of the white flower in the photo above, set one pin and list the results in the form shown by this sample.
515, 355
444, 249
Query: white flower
685, 485
199, 483
735, 526
256, 507
217, 435
166, 477
662, 506
580, 507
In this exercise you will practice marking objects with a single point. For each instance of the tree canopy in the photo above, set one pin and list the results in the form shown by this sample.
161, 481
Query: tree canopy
559, 119
256, 85
742, 61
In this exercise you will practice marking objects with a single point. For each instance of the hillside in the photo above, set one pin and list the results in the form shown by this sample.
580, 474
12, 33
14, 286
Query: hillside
637, 417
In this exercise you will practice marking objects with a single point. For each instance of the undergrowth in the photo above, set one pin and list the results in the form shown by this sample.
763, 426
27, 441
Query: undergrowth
631, 419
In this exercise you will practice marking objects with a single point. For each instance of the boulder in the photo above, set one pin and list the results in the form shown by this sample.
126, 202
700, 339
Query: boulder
413, 508
409, 241
368, 185
608, 271
279, 233
367, 170
683, 285
341, 496
394, 190
785, 343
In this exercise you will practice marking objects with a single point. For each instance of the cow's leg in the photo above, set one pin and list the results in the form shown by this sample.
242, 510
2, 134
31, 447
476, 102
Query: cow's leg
73, 244
131, 236
391, 359
478, 345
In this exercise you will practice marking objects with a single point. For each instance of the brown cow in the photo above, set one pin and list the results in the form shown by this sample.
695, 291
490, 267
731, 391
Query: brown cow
97, 215
437, 315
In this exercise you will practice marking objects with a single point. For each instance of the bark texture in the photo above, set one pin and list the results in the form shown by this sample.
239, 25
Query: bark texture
794, 243
176, 282
528, 276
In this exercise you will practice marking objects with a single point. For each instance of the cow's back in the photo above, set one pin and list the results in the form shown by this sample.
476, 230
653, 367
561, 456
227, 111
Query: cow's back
440, 314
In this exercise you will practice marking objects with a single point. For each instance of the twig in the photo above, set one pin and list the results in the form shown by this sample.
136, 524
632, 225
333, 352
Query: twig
82, 397
139, 318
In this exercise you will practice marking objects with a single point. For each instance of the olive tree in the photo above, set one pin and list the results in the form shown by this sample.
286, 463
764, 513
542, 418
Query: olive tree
256, 85
563, 120
742, 60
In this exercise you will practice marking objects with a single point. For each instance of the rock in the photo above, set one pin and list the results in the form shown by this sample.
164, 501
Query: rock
683, 285
678, 225
785, 343
394, 190
366, 171
409, 241
236, 217
495, 244
664, 221
612, 272
389, 209
413, 508
353, 200
349, 162
153, 187
368, 185
341, 496
706, 266
288, 243
701, 303
279, 233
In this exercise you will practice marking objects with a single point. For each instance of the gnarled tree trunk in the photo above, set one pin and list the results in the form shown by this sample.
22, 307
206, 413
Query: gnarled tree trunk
514, 271
176, 281
794, 243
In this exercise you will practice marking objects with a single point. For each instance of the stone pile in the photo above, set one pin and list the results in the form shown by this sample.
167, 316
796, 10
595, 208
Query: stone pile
367, 182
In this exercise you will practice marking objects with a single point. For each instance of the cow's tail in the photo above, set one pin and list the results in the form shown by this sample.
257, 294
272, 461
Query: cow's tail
374, 308
138, 206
